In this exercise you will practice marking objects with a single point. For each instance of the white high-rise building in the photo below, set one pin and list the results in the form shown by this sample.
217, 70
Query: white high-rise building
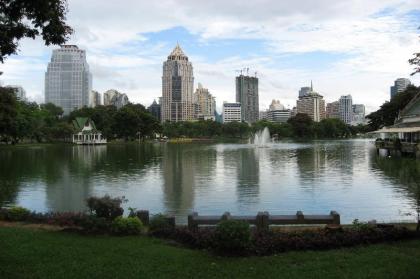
19, 92
114, 98
68, 82
231, 112
400, 84
346, 109
278, 113
177, 88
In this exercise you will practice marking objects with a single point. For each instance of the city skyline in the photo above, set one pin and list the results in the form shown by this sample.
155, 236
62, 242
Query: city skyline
127, 56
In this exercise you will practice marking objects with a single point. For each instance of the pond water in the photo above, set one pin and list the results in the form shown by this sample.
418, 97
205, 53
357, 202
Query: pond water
281, 178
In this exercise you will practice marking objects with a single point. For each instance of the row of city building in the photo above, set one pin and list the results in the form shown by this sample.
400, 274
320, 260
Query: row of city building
68, 84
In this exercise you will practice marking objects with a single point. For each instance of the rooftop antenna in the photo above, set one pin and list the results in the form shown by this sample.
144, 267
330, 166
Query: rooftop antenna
312, 88
255, 74
247, 70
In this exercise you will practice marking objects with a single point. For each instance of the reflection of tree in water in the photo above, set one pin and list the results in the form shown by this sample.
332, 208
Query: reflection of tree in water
248, 173
182, 166
405, 172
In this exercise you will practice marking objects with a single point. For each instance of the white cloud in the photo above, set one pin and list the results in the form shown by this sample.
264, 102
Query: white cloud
120, 56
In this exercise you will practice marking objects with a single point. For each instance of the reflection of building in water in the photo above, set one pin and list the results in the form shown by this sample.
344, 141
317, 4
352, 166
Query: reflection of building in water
311, 163
248, 172
72, 182
182, 168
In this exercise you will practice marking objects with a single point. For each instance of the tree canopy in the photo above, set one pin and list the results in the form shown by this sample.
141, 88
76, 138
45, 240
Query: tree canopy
29, 19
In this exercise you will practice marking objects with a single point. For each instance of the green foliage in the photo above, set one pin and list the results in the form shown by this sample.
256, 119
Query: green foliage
22, 18
362, 226
232, 236
126, 226
302, 125
388, 112
159, 223
106, 207
331, 128
95, 225
17, 213
8, 114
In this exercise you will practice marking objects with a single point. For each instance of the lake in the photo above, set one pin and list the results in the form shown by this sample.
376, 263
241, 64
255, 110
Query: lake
315, 177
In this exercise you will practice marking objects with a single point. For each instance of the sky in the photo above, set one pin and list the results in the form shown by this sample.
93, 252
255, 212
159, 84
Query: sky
356, 47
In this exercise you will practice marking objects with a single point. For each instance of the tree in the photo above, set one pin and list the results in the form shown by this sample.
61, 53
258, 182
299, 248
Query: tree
388, 112
302, 125
8, 114
415, 61
331, 128
32, 18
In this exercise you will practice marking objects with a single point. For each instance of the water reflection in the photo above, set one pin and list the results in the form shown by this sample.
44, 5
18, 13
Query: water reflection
315, 177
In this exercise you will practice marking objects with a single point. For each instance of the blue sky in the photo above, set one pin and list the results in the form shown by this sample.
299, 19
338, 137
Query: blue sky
346, 47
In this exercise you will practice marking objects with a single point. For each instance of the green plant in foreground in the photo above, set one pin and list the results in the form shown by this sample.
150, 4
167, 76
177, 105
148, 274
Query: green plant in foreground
159, 223
17, 213
126, 226
232, 236
106, 207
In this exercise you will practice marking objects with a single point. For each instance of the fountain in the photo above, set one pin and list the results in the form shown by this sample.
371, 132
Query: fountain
262, 137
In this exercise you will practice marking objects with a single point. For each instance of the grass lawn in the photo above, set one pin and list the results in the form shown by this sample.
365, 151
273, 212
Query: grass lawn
31, 253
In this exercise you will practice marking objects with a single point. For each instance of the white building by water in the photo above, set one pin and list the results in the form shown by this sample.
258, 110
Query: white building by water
346, 109
231, 112
68, 81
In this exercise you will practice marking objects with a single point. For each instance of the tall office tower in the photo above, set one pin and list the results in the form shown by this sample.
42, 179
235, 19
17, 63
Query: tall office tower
115, 98
247, 96
278, 113
305, 90
358, 114
312, 104
96, 98
206, 103
154, 109
231, 112
19, 91
333, 110
68, 82
346, 109
400, 85
177, 88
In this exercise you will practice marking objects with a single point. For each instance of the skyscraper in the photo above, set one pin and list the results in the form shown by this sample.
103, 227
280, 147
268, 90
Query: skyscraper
247, 96
114, 98
346, 109
96, 98
154, 109
206, 103
400, 85
68, 82
108, 96
177, 87
312, 104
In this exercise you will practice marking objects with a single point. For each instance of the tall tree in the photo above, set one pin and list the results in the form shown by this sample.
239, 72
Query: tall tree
302, 125
415, 61
29, 19
8, 114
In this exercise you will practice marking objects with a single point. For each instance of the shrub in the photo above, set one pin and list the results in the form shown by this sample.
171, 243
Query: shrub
126, 226
106, 207
17, 213
159, 225
232, 236
92, 224
3, 214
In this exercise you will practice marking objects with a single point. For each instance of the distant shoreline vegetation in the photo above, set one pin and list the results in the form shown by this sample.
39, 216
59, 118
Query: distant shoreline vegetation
25, 122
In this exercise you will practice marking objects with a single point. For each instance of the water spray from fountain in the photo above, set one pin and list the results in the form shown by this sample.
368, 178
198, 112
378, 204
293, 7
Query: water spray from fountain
262, 137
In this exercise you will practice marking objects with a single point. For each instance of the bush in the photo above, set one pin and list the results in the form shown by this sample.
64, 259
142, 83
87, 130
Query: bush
17, 213
92, 224
159, 225
3, 214
232, 236
106, 207
126, 226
